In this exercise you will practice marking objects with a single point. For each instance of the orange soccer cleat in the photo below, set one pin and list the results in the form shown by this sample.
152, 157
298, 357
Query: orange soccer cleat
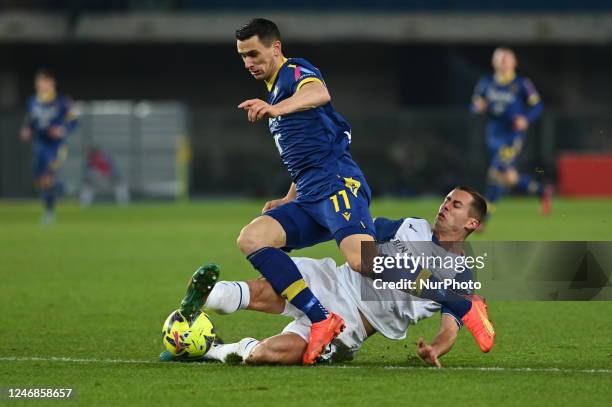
321, 335
477, 322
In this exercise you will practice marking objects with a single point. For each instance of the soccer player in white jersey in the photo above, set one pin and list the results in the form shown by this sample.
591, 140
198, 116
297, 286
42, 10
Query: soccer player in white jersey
365, 309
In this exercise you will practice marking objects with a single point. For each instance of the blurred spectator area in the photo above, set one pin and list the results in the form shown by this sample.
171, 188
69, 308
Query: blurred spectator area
403, 76
207, 21
164, 5
409, 152
143, 139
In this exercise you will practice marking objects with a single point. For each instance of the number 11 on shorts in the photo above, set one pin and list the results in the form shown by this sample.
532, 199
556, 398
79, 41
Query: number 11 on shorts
334, 199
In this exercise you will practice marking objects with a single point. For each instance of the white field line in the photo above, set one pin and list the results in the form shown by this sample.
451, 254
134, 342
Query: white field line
464, 368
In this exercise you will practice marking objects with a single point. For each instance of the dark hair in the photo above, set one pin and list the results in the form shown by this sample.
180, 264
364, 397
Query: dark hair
44, 73
479, 203
266, 30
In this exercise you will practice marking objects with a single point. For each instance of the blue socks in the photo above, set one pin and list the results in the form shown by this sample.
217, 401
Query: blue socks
48, 196
284, 276
493, 192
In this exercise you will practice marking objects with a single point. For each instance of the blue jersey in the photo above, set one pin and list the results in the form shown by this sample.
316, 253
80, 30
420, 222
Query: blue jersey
43, 115
313, 143
506, 100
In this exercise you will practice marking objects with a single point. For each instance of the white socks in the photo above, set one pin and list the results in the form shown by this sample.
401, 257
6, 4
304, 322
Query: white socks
227, 297
246, 346
242, 348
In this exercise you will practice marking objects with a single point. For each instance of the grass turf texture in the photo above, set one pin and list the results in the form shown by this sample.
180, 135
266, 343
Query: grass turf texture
98, 284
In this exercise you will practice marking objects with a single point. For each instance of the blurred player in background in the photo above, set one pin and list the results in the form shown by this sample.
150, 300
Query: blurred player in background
329, 196
512, 104
50, 118
101, 173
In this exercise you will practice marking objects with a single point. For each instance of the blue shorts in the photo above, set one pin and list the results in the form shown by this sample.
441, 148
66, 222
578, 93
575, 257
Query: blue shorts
504, 151
48, 158
343, 214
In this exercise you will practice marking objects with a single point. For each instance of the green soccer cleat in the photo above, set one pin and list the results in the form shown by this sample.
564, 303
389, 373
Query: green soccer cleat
166, 356
200, 285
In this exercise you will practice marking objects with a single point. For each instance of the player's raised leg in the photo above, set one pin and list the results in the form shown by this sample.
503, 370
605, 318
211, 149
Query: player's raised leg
205, 290
260, 241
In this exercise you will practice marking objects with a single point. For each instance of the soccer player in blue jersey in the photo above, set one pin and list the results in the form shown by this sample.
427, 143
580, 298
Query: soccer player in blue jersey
512, 104
329, 197
49, 119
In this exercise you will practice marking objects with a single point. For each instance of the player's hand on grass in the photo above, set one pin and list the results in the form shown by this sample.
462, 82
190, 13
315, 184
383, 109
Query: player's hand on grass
56, 132
521, 123
257, 109
274, 203
25, 134
427, 354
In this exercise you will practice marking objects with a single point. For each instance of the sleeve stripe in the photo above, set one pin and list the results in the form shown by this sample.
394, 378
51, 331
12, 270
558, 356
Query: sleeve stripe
308, 80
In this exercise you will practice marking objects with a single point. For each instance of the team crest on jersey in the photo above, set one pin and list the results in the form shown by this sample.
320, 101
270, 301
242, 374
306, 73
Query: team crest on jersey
352, 184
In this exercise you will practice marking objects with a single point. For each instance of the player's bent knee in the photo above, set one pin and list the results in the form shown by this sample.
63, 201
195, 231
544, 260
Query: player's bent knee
262, 232
511, 177
244, 241
249, 240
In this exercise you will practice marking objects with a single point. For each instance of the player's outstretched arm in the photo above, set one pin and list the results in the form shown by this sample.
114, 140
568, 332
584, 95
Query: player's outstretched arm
25, 133
442, 343
479, 105
310, 95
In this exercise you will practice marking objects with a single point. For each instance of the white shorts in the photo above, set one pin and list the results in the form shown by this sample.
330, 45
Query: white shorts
323, 280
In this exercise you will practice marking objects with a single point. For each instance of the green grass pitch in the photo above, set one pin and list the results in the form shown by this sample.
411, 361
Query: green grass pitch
83, 302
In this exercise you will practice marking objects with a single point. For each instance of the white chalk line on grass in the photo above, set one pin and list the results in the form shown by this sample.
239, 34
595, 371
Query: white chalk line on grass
465, 368
70, 360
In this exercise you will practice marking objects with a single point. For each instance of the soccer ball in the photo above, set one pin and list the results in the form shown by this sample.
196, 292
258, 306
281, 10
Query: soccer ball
188, 337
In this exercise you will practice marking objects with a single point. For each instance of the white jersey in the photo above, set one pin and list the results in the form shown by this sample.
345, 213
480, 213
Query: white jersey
349, 294
391, 311
414, 237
